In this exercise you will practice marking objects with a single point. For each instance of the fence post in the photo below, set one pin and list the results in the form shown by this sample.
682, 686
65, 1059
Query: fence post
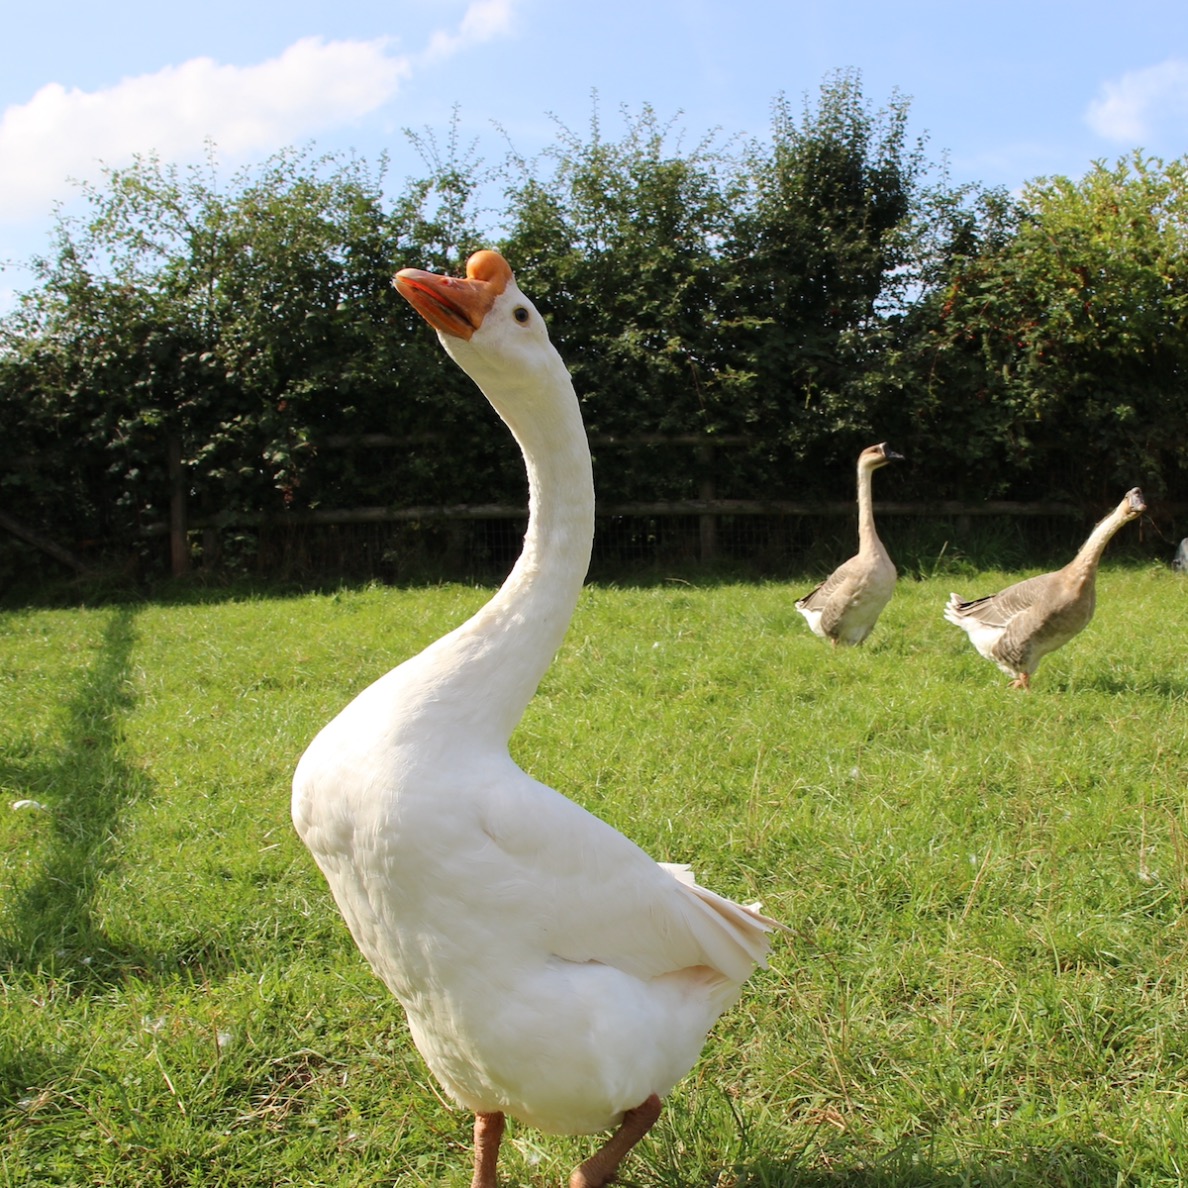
707, 524
179, 545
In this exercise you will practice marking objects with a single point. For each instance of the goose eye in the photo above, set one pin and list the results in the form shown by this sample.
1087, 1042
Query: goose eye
520, 314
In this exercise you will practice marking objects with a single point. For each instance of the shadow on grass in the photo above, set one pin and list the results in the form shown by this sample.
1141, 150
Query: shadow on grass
52, 924
196, 592
1166, 685
1061, 1165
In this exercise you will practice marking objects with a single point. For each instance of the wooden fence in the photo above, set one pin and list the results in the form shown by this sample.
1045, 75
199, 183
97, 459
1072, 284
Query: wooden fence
708, 512
707, 509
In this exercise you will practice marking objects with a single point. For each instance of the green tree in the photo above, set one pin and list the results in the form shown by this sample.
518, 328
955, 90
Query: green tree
820, 254
454, 451
1062, 346
617, 241
932, 396
254, 323
790, 300
234, 323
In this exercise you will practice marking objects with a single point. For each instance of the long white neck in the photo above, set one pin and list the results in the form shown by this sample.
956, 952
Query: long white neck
484, 673
868, 538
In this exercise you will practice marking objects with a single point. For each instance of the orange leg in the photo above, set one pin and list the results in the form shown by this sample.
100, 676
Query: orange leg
1022, 681
488, 1131
600, 1168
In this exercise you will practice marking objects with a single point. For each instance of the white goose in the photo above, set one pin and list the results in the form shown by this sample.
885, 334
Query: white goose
846, 605
549, 968
1019, 626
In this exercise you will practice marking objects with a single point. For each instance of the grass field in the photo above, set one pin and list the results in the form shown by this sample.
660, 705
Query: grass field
986, 981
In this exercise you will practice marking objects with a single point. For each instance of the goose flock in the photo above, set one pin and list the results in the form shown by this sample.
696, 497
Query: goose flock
1015, 628
550, 970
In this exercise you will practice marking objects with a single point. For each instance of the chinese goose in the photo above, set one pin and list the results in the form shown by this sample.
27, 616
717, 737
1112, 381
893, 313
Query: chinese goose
549, 968
846, 605
1020, 625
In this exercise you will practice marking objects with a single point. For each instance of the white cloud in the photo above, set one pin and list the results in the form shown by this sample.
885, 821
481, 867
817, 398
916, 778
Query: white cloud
1137, 107
483, 20
312, 86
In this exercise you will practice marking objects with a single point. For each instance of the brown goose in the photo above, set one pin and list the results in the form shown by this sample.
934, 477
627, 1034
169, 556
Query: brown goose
1020, 625
846, 605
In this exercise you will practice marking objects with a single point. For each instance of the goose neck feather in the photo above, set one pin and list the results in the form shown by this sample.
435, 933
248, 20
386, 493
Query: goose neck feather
868, 537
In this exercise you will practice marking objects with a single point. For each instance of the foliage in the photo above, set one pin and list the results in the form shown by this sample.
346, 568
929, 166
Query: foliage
228, 323
741, 318
1057, 353
818, 251
985, 982
618, 241
724, 291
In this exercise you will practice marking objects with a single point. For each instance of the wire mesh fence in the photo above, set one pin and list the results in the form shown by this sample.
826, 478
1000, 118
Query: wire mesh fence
754, 546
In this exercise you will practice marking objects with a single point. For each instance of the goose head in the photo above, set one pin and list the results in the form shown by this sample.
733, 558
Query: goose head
490, 329
1133, 504
875, 456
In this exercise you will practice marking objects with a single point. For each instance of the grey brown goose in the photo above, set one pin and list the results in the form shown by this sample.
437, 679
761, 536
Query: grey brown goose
1019, 626
846, 605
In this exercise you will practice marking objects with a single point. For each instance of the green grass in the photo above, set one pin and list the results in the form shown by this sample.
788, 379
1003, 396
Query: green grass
986, 981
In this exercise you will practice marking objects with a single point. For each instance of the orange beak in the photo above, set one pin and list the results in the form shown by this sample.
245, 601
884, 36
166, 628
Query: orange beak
452, 305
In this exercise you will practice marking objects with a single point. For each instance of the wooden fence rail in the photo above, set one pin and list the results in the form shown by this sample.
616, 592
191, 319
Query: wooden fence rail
708, 509
677, 507
709, 513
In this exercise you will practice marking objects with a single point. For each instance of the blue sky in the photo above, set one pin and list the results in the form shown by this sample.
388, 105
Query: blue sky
1008, 91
